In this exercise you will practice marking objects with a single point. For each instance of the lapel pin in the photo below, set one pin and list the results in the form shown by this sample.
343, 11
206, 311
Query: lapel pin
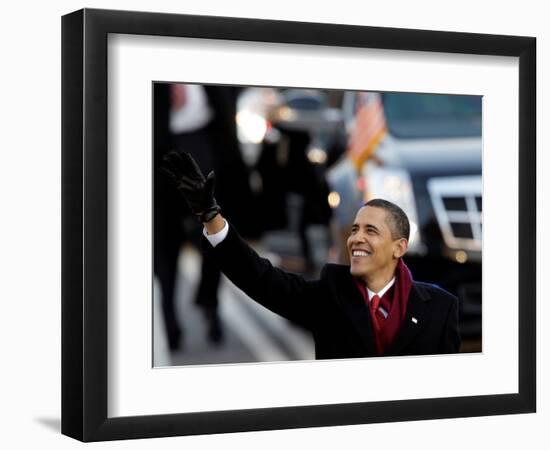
414, 320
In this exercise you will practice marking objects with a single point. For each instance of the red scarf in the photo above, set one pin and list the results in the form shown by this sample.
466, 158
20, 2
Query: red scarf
394, 301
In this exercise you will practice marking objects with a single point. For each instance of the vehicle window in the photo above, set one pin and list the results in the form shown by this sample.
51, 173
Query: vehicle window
306, 103
432, 115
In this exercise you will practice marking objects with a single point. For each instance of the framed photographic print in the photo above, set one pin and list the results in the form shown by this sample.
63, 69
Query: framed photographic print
302, 123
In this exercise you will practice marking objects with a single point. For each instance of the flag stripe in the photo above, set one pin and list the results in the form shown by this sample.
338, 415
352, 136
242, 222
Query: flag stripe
370, 128
364, 136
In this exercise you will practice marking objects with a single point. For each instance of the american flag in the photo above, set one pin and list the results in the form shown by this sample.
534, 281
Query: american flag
369, 129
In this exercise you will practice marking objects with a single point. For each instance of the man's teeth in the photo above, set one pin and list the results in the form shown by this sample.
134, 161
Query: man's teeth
360, 253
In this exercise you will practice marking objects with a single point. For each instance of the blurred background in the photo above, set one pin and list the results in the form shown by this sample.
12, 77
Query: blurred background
292, 168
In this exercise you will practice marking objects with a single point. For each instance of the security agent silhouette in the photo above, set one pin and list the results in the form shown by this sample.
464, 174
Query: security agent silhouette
372, 307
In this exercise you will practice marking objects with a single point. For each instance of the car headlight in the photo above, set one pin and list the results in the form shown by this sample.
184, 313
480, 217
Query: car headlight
393, 184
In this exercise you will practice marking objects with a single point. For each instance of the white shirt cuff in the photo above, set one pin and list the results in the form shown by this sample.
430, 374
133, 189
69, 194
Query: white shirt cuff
216, 238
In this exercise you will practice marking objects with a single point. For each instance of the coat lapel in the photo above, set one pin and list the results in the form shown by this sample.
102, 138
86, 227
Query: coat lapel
415, 320
353, 304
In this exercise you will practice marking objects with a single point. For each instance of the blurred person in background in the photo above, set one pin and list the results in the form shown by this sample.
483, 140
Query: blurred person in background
199, 120
292, 166
371, 307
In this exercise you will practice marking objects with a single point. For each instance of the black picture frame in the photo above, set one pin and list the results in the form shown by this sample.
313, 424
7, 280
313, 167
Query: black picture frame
84, 224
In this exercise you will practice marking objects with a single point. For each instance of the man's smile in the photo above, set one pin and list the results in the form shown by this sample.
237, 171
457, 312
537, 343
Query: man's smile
360, 252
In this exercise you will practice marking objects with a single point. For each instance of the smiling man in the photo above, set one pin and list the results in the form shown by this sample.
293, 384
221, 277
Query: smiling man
372, 307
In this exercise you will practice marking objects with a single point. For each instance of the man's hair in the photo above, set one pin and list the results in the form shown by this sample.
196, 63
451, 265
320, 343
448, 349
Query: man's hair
398, 220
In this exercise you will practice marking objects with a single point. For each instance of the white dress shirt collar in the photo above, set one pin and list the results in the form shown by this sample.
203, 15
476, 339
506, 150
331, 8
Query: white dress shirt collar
381, 292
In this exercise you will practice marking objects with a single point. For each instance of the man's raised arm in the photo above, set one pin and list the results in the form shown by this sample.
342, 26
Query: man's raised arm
281, 292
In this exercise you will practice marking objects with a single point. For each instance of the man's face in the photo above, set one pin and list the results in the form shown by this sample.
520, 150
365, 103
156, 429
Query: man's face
373, 253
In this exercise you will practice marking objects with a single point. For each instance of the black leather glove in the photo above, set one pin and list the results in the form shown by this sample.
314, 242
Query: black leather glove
188, 179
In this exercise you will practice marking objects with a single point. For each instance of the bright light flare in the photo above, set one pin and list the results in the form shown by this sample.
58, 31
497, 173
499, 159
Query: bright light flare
317, 155
461, 256
334, 199
251, 127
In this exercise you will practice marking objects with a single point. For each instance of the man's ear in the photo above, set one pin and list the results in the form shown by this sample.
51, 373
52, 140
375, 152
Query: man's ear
400, 248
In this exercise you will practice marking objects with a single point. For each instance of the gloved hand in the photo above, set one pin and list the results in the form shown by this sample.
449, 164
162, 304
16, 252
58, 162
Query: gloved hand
188, 179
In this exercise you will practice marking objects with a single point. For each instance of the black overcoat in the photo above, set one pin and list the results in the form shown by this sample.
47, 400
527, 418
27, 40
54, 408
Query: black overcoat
332, 308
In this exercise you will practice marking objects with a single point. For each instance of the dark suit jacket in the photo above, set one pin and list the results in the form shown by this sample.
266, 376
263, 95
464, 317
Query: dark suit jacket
333, 309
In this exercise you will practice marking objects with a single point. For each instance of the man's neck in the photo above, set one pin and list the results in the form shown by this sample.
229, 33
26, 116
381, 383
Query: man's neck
382, 291
378, 282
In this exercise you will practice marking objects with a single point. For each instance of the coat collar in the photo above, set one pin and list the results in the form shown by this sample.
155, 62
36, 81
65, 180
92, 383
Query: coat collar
352, 303
415, 319
350, 299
